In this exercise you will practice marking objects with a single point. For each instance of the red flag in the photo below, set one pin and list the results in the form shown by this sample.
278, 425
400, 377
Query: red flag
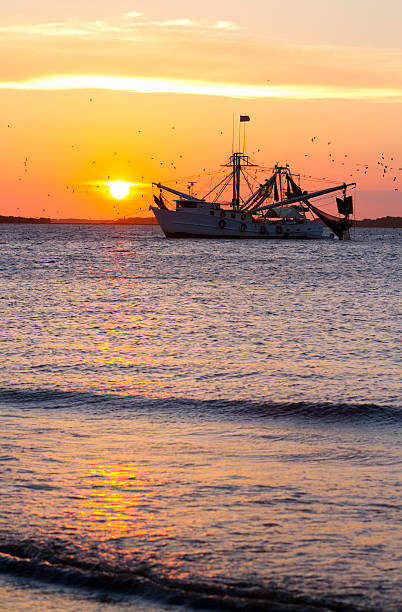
244, 118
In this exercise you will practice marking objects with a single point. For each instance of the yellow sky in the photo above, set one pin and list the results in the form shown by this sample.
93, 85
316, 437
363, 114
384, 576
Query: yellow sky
146, 93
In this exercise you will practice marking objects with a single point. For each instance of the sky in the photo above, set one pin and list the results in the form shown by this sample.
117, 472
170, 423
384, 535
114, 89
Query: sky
93, 92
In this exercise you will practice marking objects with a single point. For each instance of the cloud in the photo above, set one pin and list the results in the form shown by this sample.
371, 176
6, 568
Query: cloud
226, 25
61, 29
133, 22
183, 48
184, 22
190, 23
132, 14
203, 88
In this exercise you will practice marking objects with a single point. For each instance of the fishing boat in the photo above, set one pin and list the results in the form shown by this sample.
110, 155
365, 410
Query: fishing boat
278, 208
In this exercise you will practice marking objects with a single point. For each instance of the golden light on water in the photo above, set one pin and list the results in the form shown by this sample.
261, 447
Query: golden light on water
121, 499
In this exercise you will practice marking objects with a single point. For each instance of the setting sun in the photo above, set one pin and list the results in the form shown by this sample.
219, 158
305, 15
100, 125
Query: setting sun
119, 189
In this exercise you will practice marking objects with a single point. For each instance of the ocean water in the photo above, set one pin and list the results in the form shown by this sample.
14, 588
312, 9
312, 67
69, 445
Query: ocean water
199, 424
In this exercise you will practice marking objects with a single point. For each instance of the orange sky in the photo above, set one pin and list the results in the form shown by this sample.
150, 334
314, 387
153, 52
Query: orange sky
143, 92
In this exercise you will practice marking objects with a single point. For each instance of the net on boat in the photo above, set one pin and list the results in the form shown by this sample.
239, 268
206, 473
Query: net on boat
336, 224
159, 202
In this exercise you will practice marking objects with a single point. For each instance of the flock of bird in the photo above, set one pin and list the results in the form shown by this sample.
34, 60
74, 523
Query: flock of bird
384, 167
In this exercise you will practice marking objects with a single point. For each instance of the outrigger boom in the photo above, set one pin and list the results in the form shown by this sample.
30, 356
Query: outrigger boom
300, 198
305, 195
182, 196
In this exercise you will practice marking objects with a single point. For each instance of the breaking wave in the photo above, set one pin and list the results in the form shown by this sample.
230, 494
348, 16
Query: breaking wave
26, 560
107, 403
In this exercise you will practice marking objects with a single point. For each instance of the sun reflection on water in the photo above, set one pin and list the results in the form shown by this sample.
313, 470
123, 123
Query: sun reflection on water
121, 501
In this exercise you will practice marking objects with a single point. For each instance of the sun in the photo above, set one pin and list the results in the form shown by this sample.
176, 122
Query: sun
119, 189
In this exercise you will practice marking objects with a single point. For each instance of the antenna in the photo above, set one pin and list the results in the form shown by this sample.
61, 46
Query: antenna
244, 138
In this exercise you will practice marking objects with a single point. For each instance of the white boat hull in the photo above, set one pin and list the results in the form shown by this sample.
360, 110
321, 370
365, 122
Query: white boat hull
200, 223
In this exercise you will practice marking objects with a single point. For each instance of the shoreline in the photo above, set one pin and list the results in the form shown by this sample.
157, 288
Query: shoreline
381, 222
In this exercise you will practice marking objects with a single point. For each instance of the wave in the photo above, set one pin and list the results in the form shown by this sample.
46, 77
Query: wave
26, 560
238, 409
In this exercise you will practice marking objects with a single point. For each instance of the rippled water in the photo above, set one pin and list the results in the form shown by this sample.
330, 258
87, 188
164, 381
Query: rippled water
199, 423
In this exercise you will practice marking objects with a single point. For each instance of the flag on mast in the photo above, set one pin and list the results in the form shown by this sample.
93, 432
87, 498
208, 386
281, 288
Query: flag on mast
244, 118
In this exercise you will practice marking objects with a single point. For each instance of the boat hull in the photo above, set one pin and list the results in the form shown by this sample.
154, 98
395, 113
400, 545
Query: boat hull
200, 224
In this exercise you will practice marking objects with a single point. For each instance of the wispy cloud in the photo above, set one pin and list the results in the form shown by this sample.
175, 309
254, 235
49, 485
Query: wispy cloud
132, 14
226, 25
203, 88
191, 23
184, 22
218, 50
130, 23
61, 29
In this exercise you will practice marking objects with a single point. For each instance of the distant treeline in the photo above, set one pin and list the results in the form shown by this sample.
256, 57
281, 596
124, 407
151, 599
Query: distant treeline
125, 221
392, 222
381, 222
135, 221
4, 219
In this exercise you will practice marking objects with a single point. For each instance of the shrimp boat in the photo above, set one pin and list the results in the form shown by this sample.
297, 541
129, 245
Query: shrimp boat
278, 208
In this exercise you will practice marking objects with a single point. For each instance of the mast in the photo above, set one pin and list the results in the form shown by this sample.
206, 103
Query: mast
237, 161
236, 180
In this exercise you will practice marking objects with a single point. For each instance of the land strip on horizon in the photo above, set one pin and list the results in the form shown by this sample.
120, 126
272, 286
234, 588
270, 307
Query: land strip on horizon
391, 222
